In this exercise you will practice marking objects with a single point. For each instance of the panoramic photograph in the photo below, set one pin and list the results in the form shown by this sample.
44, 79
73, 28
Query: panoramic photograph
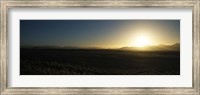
99, 47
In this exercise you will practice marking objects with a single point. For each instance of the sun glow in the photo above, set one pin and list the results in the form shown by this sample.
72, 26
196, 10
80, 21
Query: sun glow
141, 41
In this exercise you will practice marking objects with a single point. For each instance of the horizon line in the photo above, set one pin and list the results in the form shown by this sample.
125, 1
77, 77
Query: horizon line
95, 47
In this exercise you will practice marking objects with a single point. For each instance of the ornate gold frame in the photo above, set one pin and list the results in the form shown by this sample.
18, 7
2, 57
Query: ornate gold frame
5, 5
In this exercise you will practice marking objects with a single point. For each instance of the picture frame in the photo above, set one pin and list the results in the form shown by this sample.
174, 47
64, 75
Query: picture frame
5, 5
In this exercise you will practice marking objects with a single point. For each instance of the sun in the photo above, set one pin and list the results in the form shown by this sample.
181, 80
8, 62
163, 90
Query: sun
141, 41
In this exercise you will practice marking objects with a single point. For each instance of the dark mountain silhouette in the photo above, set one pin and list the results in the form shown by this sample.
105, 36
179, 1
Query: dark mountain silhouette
161, 47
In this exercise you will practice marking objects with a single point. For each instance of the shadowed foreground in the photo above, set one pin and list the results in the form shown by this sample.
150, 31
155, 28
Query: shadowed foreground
98, 62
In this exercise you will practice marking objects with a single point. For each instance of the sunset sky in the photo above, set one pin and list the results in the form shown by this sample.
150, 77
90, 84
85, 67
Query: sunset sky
99, 33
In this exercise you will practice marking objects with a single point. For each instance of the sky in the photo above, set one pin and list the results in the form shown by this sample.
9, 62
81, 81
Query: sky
98, 33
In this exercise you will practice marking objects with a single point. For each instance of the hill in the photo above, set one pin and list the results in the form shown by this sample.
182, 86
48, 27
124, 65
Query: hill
161, 47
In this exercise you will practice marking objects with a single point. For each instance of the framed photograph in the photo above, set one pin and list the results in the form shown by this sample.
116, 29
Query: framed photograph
99, 47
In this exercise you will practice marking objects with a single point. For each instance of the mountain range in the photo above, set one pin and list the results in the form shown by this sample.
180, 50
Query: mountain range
161, 47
